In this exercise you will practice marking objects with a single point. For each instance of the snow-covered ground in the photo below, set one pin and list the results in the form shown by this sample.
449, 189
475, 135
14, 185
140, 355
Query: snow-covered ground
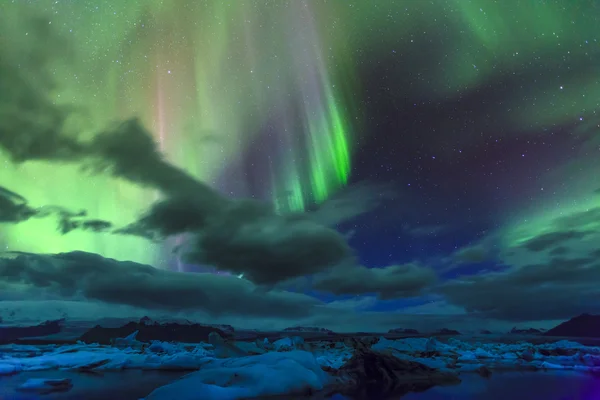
223, 370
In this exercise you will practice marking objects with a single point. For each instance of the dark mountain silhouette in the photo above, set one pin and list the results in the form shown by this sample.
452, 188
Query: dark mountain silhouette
584, 325
11, 333
446, 331
528, 331
307, 329
406, 331
170, 332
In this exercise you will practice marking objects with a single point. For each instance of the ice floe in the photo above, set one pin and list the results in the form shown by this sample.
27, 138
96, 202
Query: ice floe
225, 369
270, 374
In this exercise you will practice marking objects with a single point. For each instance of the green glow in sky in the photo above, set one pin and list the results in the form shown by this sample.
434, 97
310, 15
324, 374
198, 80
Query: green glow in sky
206, 78
209, 77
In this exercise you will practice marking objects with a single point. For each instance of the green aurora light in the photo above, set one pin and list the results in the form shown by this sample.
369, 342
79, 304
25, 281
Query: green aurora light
206, 76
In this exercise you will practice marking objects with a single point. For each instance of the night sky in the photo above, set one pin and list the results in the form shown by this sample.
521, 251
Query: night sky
453, 144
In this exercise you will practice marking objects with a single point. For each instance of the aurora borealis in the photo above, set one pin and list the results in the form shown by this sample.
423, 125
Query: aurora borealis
475, 123
209, 80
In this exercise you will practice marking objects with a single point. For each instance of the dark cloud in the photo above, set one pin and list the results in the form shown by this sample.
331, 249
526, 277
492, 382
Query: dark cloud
31, 124
578, 220
239, 236
341, 320
336, 317
550, 276
558, 289
14, 209
559, 251
351, 202
393, 282
169, 217
566, 229
128, 151
250, 239
595, 254
552, 239
246, 237
471, 255
90, 276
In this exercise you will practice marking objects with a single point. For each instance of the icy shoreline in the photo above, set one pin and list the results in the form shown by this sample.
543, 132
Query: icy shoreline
234, 370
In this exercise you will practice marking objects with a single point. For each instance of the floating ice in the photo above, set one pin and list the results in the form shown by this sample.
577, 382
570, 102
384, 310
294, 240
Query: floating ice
229, 370
46, 385
268, 374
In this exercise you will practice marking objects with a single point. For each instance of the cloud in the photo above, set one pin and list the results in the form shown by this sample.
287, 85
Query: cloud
552, 239
559, 251
471, 255
580, 220
437, 307
479, 254
168, 217
32, 311
355, 303
68, 284
243, 237
14, 209
268, 248
393, 282
112, 150
558, 289
31, 124
368, 321
566, 231
247, 237
552, 275
89, 276
351, 202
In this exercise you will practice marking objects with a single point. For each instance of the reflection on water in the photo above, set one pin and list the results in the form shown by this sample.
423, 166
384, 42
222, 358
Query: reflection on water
132, 385
124, 385
562, 385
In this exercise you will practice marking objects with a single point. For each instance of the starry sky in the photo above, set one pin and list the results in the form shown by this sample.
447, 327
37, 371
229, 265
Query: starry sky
464, 135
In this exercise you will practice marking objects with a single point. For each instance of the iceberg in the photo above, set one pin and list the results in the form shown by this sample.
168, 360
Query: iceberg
227, 369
